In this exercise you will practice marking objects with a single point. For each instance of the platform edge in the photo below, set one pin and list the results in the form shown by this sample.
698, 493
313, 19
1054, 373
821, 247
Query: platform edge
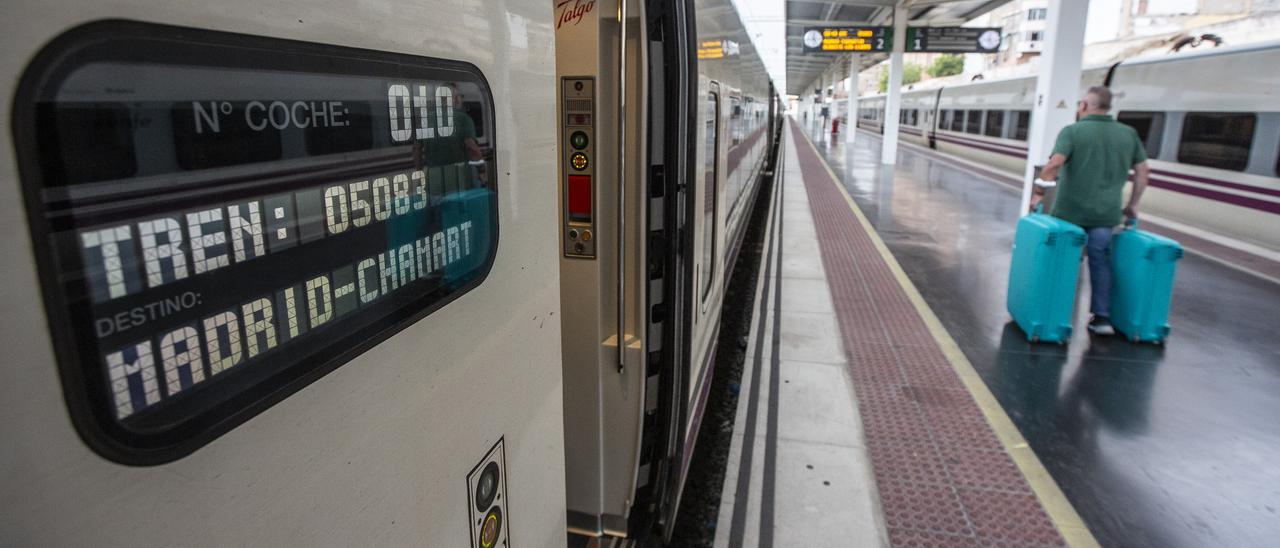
1055, 503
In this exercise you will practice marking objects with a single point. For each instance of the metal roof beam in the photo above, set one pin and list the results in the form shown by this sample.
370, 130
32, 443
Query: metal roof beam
824, 23
858, 3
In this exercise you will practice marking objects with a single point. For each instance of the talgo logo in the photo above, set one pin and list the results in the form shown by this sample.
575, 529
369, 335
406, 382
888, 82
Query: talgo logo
572, 11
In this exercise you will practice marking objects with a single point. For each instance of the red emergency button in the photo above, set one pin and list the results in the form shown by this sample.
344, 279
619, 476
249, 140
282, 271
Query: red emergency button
580, 198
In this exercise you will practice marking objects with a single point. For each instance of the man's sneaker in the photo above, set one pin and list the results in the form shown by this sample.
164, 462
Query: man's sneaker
1100, 325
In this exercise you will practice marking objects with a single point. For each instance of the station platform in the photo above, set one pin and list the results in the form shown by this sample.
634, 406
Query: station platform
887, 399
859, 419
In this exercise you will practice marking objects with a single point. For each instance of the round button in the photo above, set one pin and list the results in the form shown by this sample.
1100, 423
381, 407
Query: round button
491, 528
577, 86
573, 234
487, 487
579, 161
586, 235
579, 248
578, 140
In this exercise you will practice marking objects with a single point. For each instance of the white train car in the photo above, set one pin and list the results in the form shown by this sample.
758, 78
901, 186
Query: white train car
280, 274
871, 113
1213, 147
1211, 124
307, 274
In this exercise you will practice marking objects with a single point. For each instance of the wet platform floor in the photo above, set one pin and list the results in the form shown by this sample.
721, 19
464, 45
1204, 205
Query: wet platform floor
1164, 446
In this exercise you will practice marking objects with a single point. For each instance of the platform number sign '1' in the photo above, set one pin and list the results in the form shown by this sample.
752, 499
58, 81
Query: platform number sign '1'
213, 237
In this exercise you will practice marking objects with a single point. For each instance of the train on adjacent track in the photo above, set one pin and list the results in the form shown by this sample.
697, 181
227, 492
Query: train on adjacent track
1210, 120
446, 274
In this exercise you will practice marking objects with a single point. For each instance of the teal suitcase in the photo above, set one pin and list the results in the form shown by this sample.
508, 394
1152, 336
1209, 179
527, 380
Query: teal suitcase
1142, 270
1043, 275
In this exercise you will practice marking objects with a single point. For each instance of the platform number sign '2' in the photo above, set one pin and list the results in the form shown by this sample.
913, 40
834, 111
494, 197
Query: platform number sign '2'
216, 229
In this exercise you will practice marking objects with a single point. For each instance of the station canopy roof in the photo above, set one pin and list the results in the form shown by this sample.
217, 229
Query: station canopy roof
804, 68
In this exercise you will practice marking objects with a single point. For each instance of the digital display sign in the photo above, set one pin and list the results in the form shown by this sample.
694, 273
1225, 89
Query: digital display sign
221, 219
953, 39
717, 49
847, 39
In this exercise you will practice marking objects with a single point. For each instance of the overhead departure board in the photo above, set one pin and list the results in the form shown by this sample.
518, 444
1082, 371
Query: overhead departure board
953, 39
847, 39
221, 219
717, 49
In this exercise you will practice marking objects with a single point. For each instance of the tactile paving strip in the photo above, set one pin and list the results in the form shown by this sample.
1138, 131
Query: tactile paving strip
943, 476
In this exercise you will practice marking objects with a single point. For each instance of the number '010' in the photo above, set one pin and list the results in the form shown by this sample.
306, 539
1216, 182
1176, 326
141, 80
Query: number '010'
409, 113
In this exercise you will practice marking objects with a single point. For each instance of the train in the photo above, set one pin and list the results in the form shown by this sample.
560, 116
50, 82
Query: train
296, 273
1209, 118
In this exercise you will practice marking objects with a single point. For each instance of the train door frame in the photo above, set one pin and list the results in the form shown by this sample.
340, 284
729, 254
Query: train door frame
671, 87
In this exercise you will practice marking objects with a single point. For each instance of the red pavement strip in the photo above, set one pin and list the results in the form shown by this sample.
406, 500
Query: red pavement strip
944, 476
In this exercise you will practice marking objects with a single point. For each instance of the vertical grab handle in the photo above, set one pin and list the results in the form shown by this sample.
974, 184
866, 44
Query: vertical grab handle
622, 189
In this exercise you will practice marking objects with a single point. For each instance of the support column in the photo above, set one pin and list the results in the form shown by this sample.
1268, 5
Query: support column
893, 99
852, 98
814, 103
826, 77
1057, 86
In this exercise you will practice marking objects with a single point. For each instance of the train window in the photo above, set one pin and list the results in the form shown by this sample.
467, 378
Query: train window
1021, 124
995, 124
1217, 139
99, 132
957, 123
237, 141
945, 118
1150, 127
973, 122
710, 147
262, 211
476, 110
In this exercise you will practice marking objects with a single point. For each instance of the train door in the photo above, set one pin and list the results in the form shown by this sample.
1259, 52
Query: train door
274, 279
626, 283
600, 52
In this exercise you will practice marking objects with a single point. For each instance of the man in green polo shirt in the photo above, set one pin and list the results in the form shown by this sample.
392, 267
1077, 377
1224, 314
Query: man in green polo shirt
1091, 160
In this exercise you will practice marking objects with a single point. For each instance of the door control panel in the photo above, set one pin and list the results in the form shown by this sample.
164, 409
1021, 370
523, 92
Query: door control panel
578, 109
487, 500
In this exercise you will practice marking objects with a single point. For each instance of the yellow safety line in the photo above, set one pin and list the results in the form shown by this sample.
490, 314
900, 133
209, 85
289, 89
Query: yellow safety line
1055, 503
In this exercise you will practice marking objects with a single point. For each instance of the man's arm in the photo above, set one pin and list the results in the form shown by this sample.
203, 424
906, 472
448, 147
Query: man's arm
1051, 169
1141, 175
1048, 173
473, 150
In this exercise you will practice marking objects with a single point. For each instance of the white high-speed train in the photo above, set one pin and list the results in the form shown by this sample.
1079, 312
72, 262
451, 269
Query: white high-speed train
1210, 120
315, 273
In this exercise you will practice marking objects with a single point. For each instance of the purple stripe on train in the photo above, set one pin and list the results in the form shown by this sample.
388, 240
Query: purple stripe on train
1233, 199
1242, 201
1217, 182
1167, 184
982, 146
